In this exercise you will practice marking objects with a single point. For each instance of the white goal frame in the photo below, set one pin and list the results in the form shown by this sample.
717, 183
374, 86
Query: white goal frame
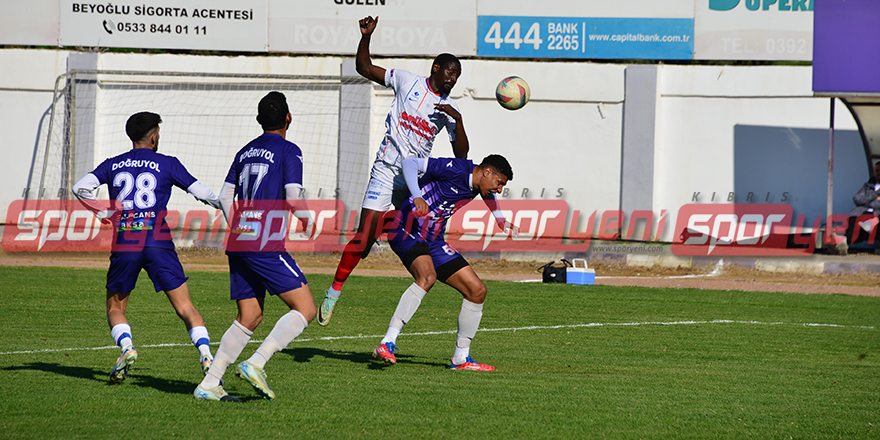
206, 117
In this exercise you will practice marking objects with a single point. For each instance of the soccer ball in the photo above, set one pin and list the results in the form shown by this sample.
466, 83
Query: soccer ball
512, 93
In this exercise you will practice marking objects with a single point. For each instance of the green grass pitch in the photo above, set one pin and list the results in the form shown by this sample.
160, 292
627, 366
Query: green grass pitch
572, 362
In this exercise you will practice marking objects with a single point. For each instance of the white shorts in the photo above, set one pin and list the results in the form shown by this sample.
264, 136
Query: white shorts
386, 188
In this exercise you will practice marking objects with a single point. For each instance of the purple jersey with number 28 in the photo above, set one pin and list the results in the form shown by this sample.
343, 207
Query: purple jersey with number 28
140, 180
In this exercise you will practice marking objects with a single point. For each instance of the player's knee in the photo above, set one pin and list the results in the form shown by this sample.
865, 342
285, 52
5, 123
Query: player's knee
187, 311
477, 293
251, 322
362, 241
308, 312
426, 280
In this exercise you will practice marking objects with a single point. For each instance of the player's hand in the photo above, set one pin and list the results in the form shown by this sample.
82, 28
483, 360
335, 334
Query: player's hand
214, 203
368, 25
510, 228
449, 110
105, 216
421, 207
306, 233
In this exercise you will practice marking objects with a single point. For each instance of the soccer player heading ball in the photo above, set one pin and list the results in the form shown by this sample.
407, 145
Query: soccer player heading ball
421, 108
418, 239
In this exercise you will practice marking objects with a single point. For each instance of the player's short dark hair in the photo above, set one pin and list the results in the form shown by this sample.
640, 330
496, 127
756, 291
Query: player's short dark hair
139, 124
499, 164
445, 59
272, 111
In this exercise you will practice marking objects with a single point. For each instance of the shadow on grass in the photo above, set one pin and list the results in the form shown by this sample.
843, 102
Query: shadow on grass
79, 372
306, 354
170, 386
134, 379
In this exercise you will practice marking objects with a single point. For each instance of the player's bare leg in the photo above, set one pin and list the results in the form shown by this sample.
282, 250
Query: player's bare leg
466, 281
120, 330
356, 249
424, 274
288, 328
195, 325
116, 305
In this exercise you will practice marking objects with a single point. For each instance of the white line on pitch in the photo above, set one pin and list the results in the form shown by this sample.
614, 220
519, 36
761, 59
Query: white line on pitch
446, 332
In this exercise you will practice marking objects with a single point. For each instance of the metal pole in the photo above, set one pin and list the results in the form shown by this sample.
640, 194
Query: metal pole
830, 166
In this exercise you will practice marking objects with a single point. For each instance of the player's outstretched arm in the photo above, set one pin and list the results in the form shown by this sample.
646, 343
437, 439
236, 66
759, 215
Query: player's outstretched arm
460, 144
411, 168
204, 194
505, 225
83, 190
363, 64
296, 200
227, 197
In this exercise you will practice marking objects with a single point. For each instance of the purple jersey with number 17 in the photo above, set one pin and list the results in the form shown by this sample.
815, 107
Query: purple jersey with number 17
260, 172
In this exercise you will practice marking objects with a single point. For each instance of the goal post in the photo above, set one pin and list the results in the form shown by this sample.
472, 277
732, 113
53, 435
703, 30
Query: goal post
206, 119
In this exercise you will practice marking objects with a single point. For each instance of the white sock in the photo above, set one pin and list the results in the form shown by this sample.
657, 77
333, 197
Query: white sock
286, 329
121, 334
201, 340
406, 308
393, 332
231, 345
468, 321
333, 293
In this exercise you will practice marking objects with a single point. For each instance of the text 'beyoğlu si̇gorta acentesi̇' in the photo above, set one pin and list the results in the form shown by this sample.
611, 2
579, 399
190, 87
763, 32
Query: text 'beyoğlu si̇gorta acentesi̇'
154, 11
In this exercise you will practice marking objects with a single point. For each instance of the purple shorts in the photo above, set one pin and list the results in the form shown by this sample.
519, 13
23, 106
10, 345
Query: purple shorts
161, 265
447, 260
251, 276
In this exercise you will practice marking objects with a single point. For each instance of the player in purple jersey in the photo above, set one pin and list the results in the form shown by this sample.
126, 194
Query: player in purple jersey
264, 181
140, 183
418, 239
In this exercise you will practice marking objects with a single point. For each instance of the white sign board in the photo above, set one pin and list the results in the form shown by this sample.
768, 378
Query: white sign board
406, 27
753, 30
226, 25
589, 8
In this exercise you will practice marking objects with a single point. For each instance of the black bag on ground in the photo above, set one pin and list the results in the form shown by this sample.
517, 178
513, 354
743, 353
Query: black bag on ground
554, 274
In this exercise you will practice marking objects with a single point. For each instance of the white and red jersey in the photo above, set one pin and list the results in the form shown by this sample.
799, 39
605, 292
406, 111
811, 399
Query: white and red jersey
413, 122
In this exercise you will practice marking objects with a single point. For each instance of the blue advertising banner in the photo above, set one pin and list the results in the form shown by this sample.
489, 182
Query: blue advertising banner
568, 37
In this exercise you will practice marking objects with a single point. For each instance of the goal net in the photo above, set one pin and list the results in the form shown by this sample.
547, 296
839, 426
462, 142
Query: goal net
206, 119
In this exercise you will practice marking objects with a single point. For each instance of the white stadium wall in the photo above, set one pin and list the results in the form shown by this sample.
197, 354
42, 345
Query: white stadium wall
700, 110
570, 136
27, 82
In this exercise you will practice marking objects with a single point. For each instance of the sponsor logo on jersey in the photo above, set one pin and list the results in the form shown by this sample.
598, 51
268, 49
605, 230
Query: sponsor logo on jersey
417, 125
